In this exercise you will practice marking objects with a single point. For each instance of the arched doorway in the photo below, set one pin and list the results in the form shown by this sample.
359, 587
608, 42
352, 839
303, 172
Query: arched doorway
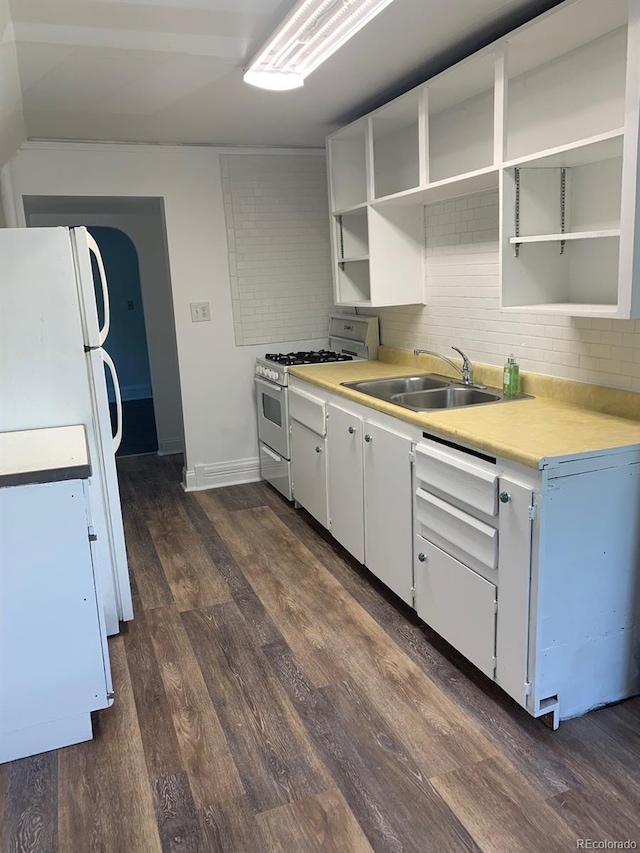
127, 341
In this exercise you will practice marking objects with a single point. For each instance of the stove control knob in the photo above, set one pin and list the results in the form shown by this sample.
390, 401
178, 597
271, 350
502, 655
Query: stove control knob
274, 374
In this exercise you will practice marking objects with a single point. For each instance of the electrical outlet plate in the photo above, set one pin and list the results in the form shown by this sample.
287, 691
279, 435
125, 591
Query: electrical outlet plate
200, 312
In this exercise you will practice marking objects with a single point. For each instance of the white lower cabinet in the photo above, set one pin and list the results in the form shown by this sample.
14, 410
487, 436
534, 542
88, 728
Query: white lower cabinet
369, 491
387, 508
457, 603
54, 658
370, 496
532, 574
542, 593
309, 471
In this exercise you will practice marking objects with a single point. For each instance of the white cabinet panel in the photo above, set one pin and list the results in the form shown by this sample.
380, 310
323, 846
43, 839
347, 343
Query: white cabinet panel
53, 653
514, 588
309, 471
387, 498
346, 496
457, 603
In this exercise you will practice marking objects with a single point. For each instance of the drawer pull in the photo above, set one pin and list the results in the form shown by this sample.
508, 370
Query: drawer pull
318, 449
505, 497
352, 430
368, 437
422, 557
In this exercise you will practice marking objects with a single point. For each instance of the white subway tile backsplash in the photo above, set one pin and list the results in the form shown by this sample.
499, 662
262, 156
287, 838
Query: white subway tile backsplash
462, 292
278, 242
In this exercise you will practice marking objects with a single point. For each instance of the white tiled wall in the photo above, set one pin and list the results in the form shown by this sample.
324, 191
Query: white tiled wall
463, 308
278, 238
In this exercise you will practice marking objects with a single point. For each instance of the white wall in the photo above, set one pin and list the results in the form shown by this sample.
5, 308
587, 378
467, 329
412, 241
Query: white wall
462, 291
145, 230
12, 132
216, 376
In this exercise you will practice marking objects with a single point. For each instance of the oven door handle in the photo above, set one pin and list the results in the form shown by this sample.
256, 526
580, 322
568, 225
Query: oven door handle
269, 452
270, 385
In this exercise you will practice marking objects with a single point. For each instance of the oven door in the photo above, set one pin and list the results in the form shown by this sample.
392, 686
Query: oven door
273, 416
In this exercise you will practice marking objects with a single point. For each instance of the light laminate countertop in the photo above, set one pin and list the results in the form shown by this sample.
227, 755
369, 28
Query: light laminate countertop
44, 455
526, 431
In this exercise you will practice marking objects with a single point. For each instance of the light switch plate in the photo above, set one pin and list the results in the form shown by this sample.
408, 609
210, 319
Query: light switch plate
200, 312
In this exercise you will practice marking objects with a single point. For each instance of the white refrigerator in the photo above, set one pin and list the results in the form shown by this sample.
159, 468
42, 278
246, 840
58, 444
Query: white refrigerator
52, 373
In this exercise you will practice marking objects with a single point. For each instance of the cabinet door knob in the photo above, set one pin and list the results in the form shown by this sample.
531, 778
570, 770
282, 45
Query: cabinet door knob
368, 437
505, 497
318, 449
352, 430
422, 557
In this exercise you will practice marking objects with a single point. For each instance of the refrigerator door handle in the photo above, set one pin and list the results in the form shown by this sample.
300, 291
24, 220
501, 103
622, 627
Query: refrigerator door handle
117, 438
93, 247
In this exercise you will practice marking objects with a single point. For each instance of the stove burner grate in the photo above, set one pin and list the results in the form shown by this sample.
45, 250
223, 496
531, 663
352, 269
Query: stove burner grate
313, 357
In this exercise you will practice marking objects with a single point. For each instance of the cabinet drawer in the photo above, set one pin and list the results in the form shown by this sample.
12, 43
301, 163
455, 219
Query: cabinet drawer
446, 524
308, 410
471, 481
457, 603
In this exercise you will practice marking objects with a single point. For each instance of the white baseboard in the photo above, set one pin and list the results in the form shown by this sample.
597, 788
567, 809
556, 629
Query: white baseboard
218, 474
168, 446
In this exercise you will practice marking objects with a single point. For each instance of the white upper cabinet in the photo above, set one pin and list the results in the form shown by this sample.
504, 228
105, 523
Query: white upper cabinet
550, 115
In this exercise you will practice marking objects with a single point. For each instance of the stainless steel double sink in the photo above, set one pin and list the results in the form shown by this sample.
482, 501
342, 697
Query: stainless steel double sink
424, 392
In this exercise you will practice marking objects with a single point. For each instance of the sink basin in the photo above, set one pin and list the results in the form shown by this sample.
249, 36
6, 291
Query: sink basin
385, 389
445, 398
428, 391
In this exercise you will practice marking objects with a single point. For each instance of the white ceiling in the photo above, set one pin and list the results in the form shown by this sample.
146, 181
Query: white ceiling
171, 70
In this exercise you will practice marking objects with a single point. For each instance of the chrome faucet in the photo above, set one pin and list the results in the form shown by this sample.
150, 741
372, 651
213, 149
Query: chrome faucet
466, 371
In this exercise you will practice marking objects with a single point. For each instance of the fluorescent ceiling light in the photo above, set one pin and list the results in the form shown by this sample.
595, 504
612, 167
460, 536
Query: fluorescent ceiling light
311, 32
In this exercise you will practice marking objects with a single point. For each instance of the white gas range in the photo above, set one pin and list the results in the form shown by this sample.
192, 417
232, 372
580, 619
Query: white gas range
350, 338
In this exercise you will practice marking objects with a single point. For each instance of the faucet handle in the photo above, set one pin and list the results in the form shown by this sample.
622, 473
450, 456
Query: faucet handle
465, 358
467, 367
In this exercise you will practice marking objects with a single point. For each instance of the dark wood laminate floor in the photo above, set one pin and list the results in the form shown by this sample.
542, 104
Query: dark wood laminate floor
271, 696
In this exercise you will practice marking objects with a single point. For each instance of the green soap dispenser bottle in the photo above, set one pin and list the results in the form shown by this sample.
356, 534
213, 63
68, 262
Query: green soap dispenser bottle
511, 377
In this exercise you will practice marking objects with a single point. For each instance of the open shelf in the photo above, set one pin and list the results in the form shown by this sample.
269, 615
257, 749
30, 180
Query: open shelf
353, 209
566, 76
352, 235
602, 146
353, 260
460, 118
353, 284
547, 196
461, 185
585, 273
572, 309
347, 166
570, 235
396, 145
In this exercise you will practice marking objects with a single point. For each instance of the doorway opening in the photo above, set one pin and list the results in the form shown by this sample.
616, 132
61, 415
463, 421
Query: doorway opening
131, 236
126, 342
